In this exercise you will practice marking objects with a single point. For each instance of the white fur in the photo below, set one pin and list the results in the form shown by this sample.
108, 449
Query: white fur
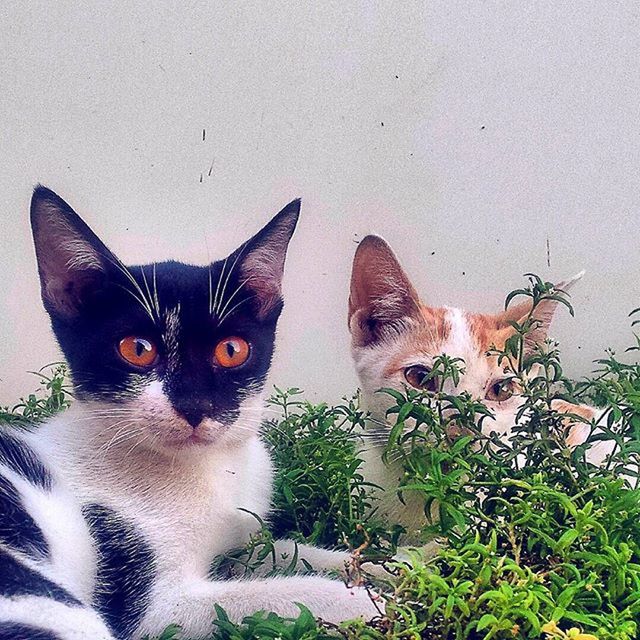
66, 532
188, 500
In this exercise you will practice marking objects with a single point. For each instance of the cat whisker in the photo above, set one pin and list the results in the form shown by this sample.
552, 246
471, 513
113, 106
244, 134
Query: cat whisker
260, 410
230, 299
210, 290
103, 450
156, 297
226, 282
142, 299
130, 435
123, 430
140, 296
96, 417
236, 306
150, 297
247, 426
125, 435
218, 283
130, 451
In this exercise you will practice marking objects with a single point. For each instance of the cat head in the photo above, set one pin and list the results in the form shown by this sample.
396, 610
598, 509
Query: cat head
169, 355
395, 337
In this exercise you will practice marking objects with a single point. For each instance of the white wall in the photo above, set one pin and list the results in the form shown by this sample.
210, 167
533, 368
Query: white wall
469, 134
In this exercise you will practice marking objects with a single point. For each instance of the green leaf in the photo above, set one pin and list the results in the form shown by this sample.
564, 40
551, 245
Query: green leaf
486, 620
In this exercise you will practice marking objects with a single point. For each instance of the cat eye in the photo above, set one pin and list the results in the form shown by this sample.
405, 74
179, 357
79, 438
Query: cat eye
501, 390
231, 352
138, 351
417, 376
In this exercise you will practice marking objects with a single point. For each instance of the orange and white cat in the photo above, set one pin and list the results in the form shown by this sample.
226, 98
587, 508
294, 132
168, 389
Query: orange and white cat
395, 339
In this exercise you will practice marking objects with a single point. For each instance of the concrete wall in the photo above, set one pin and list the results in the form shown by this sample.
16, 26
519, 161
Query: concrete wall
483, 140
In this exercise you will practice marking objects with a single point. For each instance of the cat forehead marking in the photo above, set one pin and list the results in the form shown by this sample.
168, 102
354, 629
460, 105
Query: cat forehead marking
437, 322
451, 331
488, 331
171, 336
459, 342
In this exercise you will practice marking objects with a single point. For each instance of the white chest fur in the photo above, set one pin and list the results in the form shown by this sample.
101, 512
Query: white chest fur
190, 507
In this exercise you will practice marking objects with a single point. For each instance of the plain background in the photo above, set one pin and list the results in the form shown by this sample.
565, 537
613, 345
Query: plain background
483, 140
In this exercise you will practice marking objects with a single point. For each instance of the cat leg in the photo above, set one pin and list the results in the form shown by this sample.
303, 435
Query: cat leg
347, 564
307, 557
191, 604
318, 559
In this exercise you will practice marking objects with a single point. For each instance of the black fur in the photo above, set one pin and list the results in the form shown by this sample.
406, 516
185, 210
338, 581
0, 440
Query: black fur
20, 458
17, 528
16, 631
126, 570
113, 307
18, 580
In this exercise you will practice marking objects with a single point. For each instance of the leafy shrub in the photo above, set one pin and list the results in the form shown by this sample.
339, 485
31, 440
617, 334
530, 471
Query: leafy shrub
321, 496
541, 543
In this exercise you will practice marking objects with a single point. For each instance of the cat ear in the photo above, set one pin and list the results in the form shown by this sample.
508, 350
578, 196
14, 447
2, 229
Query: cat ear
262, 260
381, 293
72, 262
543, 313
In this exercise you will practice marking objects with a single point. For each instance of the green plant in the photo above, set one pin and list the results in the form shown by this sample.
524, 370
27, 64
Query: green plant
321, 496
52, 396
537, 535
541, 543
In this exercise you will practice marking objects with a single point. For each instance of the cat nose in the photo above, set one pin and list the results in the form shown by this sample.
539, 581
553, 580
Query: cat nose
192, 413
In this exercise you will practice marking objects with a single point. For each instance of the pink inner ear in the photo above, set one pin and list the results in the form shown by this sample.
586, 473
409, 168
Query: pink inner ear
263, 258
67, 293
379, 286
69, 266
262, 273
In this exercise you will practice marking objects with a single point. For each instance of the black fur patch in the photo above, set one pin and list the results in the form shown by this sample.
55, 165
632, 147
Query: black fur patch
17, 631
126, 569
20, 458
18, 580
17, 528
184, 310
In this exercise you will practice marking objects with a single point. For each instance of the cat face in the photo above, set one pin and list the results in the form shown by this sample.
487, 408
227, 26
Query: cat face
395, 338
177, 353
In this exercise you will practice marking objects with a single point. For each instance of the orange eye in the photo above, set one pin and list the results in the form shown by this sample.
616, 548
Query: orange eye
138, 351
231, 352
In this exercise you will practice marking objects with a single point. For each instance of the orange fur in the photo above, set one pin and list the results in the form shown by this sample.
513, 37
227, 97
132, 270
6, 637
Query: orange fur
426, 338
488, 330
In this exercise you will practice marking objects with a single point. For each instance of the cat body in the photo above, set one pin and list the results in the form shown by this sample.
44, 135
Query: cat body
190, 508
113, 511
395, 340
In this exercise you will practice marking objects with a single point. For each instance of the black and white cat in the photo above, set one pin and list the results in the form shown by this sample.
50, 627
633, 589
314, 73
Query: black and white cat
111, 512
